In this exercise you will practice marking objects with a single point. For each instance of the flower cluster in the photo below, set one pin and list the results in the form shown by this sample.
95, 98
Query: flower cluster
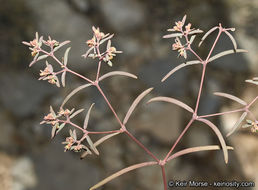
94, 43
252, 124
110, 53
182, 30
48, 74
51, 43
34, 45
71, 143
179, 47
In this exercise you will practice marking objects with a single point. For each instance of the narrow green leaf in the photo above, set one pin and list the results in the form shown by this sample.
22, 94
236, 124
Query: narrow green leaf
227, 52
207, 34
173, 101
173, 35
76, 113
74, 92
196, 31
53, 132
232, 39
61, 45
88, 52
135, 103
66, 55
60, 127
114, 73
229, 96
42, 57
98, 142
92, 146
110, 63
192, 39
121, 172
52, 111
86, 120
34, 60
107, 38
196, 149
220, 137
63, 78
234, 128
179, 67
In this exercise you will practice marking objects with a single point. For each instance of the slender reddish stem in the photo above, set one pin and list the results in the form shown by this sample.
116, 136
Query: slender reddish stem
99, 65
141, 145
214, 44
256, 98
178, 139
109, 105
200, 89
123, 127
79, 75
222, 113
164, 177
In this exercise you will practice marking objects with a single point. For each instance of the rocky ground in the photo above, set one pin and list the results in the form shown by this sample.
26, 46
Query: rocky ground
30, 160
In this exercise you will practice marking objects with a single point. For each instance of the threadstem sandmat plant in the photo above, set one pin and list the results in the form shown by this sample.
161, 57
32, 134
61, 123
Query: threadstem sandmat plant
184, 36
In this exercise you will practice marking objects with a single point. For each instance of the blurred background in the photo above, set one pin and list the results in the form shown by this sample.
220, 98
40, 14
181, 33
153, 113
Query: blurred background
30, 160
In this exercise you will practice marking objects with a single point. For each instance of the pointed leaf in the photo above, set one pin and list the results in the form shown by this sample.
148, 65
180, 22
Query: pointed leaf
92, 146
60, 127
105, 39
108, 44
42, 57
121, 172
57, 81
66, 55
234, 128
196, 31
74, 92
196, 149
252, 82
207, 34
113, 73
192, 39
76, 113
173, 101
110, 63
101, 140
52, 111
229, 96
86, 120
61, 45
63, 78
220, 137
88, 52
34, 60
232, 39
135, 103
183, 20
179, 67
53, 132
173, 35
227, 52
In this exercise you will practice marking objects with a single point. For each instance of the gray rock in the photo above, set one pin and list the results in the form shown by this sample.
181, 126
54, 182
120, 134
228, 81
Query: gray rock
23, 174
22, 94
122, 15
